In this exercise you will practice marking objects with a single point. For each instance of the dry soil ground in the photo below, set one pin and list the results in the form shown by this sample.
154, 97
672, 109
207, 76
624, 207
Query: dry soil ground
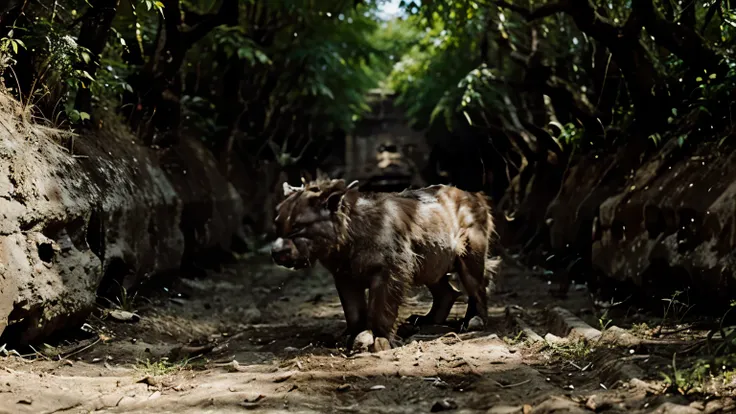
256, 337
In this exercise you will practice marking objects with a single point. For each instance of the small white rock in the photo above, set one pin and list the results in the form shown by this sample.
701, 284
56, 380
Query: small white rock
475, 324
363, 341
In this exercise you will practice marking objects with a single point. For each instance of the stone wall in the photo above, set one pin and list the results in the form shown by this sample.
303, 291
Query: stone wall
385, 126
109, 213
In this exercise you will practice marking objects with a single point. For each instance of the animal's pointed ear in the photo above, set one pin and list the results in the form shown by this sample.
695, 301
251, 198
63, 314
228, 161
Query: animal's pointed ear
306, 177
289, 190
321, 175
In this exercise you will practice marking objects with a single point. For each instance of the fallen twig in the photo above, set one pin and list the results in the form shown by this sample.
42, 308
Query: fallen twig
75, 352
513, 385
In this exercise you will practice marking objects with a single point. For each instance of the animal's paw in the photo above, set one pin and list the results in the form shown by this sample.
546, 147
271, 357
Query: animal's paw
474, 324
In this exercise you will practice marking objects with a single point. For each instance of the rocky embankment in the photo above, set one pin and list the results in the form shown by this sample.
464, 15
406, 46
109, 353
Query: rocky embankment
665, 225
82, 216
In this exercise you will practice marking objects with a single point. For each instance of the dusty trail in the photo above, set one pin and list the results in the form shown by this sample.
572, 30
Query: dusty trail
283, 329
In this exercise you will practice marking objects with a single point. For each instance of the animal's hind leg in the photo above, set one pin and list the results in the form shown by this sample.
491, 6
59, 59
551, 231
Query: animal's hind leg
471, 268
443, 298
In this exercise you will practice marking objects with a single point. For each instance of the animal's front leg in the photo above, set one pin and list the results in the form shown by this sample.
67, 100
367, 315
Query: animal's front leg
352, 298
384, 297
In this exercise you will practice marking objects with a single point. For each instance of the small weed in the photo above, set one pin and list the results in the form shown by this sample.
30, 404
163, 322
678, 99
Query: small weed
604, 321
686, 381
676, 308
161, 367
576, 351
641, 329
126, 302
702, 373
515, 340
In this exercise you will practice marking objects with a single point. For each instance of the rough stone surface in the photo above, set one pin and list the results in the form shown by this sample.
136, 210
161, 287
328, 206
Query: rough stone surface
112, 214
661, 224
673, 225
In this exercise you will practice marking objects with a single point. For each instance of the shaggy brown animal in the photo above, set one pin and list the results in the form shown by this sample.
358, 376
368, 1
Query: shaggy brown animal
385, 242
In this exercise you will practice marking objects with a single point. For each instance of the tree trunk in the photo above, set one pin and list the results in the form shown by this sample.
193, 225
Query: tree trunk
93, 36
159, 111
230, 112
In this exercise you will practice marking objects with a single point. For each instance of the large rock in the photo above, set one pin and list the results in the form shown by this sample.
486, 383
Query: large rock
111, 213
663, 225
673, 226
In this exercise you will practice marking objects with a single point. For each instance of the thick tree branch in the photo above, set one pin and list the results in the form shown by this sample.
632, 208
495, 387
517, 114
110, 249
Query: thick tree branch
709, 16
538, 13
645, 83
227, 14
680, 39
93, 36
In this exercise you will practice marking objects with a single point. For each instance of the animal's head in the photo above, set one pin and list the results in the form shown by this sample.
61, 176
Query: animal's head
308, 221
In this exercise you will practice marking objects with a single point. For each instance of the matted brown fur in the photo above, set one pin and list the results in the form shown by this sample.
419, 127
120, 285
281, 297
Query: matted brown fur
385, 242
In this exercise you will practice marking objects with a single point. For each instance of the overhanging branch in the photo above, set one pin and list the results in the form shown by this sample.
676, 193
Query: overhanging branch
537, 13
680, 39
227, 14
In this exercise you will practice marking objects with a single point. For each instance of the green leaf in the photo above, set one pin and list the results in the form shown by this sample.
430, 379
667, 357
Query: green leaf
84, 116
468, 117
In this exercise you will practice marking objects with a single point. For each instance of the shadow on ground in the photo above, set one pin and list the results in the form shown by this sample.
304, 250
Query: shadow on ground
255, 336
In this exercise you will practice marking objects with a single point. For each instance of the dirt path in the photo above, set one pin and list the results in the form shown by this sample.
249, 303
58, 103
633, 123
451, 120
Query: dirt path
283, 329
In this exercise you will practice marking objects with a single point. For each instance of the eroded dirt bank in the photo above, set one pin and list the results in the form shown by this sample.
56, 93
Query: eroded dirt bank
283, 329
89, 215
646, 227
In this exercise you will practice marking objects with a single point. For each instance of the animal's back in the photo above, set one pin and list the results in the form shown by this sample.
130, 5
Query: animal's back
449, 217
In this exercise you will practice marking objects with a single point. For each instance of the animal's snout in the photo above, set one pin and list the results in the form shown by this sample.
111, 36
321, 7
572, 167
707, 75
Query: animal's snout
281, 247
284, 252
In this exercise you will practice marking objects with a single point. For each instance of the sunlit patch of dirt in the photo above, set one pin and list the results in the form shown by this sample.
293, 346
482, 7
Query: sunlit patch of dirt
257, 336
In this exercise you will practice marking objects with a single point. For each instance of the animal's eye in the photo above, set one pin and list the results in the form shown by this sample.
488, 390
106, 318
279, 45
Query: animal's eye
313, 189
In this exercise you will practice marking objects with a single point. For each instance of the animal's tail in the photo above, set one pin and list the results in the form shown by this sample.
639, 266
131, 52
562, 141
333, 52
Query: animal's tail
491, 270
492, 262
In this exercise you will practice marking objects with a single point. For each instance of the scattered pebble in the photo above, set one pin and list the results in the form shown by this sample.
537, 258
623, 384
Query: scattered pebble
381, 344
363, 341
124, 316
377, 387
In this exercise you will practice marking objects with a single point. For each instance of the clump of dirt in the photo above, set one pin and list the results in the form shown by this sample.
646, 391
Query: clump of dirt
255, 336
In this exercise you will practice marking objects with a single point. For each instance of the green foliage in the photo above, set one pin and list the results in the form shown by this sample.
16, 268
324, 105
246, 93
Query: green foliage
322, 56
302, 69
428, 76
235, 41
